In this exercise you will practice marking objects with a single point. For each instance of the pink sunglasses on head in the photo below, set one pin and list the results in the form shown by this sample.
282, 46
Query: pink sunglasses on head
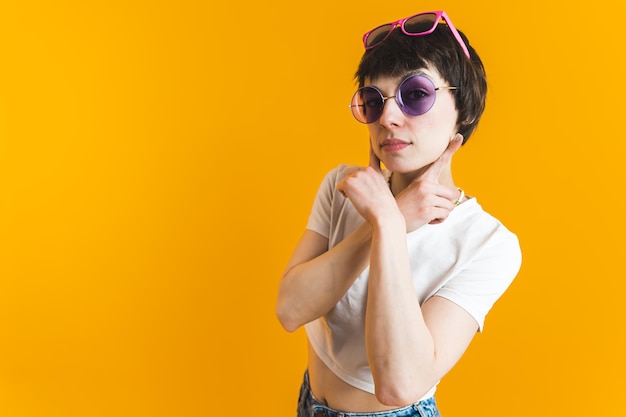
416, 25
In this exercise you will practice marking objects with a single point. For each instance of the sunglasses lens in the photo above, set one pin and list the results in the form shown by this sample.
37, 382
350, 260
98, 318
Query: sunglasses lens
421, 23
367, 104
376, 36
416, 95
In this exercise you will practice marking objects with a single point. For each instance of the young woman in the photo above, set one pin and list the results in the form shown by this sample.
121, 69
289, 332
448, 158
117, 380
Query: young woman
397, 268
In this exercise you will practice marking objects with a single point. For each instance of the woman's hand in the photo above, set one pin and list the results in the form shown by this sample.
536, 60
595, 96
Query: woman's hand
369, 193
425, 201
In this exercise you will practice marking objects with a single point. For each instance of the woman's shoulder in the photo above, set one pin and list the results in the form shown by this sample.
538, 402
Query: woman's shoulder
336, 174
479, 222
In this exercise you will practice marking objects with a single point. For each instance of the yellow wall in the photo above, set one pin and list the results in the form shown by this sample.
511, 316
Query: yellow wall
157, 164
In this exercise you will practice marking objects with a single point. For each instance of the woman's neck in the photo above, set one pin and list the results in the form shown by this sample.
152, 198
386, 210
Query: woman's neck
399, 181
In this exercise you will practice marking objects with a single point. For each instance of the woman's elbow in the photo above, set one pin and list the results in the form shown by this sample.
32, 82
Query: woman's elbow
286, 319
395, 399
399, 395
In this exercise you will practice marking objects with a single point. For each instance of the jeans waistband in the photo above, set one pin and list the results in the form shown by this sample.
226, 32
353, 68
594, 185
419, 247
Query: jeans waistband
309, 406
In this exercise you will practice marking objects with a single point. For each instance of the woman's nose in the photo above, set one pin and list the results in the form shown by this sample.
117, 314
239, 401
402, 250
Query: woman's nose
392, 114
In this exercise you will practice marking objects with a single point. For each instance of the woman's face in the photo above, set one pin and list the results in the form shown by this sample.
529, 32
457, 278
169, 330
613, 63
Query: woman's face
405, 144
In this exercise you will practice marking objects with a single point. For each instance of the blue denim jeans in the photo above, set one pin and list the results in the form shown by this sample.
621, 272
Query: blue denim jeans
309, 406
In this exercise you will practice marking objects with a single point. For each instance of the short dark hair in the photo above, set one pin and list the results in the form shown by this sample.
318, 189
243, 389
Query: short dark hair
400, 54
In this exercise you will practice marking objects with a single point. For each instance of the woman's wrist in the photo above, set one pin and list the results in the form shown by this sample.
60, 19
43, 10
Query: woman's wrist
389, 222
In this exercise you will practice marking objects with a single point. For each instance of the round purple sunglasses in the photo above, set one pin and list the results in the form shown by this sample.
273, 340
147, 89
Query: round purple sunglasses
416, 25
416, 95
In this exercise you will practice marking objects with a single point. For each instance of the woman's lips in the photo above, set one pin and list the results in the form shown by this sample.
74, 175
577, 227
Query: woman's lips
391, 145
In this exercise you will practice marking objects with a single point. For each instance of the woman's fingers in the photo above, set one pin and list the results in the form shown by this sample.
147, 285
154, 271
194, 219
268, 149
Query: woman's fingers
434, 170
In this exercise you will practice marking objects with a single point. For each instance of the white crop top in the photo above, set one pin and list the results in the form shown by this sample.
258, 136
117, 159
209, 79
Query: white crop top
469, 259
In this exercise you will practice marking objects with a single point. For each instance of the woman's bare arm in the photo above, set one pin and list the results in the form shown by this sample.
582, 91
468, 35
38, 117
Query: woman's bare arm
316, 278
410, 347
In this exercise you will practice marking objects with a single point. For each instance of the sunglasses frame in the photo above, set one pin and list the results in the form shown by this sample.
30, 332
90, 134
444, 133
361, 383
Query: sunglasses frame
439, 14
398, 97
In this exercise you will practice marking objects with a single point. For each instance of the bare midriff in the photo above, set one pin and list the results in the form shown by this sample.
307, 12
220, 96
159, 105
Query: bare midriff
329, 389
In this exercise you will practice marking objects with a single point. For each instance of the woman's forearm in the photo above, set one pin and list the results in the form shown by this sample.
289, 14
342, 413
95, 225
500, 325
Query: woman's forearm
313, 283
399, 346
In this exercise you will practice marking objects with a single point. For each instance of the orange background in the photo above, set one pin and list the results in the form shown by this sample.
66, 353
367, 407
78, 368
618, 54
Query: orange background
158, 160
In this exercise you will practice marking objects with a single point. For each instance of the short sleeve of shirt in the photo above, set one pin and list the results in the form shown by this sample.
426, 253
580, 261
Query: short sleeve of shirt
483, 280
333, 215
319, 218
